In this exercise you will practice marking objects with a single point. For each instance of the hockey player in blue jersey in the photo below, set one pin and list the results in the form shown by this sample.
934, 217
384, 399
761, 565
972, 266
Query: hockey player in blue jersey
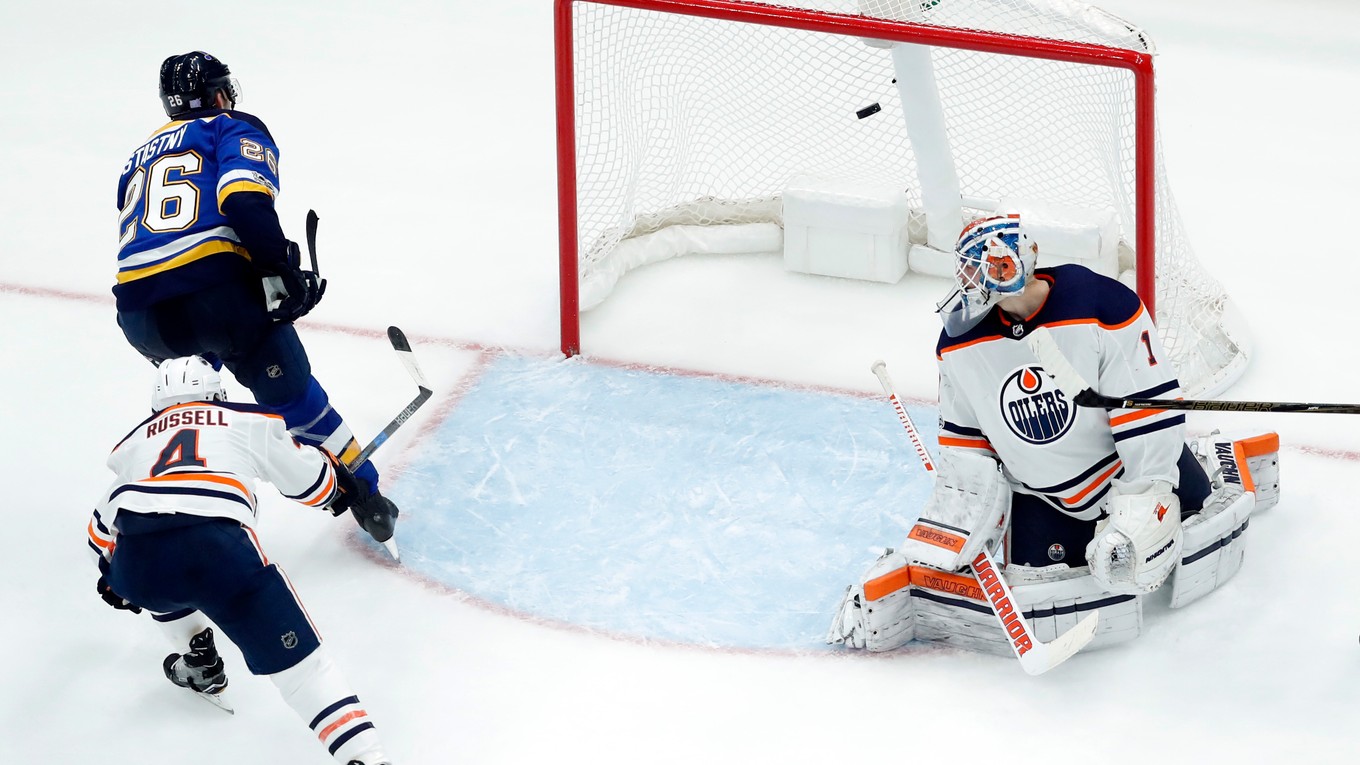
174, 535
1090, 509
199, 237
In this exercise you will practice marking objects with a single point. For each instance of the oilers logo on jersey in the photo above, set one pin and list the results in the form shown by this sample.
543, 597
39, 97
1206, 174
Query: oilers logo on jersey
1035, 410
995, 397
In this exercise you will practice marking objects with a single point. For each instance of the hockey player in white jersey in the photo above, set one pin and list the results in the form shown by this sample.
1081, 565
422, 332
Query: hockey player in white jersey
175, 536
1090, 508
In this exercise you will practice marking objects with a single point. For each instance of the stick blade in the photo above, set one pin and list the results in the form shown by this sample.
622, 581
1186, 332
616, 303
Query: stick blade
1045, 656
312, 220
398, 339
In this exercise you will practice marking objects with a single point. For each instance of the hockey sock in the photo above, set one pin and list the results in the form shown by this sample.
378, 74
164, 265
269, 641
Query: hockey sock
323, 698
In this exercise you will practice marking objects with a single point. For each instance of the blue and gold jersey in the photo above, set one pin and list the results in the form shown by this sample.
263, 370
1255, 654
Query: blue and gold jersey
173, 236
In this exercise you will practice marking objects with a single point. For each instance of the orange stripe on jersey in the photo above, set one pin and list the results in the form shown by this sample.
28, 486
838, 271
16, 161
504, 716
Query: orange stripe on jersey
323, 494
966, 443
98, 540
1137, 414
887, 584
209, 477
1098, 322
329, 729
961, 346
1090, 487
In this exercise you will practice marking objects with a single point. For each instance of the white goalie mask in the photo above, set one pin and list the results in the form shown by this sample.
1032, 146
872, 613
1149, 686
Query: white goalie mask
185, 379
994, 260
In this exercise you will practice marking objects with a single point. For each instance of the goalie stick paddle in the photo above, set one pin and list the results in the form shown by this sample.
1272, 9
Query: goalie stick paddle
408, 360
1035, 657
1070, 381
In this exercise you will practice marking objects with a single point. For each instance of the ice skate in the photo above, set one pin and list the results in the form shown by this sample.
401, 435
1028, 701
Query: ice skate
377, 515
200, 670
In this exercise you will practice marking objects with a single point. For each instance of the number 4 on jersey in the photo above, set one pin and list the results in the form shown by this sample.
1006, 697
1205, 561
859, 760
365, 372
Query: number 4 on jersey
182, 451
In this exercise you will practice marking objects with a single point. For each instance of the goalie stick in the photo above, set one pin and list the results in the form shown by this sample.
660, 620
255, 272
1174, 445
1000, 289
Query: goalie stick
1070, 381
1035, 656
408, 360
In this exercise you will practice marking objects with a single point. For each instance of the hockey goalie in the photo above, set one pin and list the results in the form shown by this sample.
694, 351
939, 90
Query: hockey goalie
1088, 509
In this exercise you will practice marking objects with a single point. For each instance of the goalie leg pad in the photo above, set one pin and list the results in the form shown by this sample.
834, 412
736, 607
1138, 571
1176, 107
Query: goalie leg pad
951, 608
1248, 460
1055, 598
967, 510
877, 615
1215, 543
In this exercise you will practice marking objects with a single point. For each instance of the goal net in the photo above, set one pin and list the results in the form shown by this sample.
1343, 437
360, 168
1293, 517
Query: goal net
696, 125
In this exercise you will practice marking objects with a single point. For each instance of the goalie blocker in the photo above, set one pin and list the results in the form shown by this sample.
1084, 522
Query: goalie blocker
899, 599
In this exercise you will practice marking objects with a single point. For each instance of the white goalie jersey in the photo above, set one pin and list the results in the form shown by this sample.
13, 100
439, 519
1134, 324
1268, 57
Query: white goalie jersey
204, 458
995, 398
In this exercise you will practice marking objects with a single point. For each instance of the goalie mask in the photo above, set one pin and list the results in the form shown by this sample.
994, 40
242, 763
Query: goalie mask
995, 260
186, 379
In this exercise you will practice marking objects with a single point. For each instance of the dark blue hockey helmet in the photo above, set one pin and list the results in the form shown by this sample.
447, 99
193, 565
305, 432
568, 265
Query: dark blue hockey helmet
190, 80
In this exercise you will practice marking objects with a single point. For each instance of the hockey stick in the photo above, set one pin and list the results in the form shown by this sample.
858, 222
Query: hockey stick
1070, 381
311, 240
408, 360
1035, 656
880, 370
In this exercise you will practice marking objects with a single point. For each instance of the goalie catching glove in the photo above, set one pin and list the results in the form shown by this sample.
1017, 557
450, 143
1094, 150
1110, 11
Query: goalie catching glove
1136, 547
968, 510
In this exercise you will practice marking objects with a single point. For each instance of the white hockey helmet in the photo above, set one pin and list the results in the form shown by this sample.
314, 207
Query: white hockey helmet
188, 378
994, 260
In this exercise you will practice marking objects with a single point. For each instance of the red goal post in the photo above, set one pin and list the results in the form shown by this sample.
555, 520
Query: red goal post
592, 38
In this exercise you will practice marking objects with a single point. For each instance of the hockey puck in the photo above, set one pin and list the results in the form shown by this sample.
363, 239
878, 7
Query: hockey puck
869, 110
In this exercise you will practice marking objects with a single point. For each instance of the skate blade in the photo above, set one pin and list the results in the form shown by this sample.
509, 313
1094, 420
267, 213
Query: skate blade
391, 547
216, 699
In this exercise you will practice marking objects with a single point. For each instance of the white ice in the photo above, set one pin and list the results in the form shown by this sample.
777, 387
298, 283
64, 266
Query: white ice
423, 134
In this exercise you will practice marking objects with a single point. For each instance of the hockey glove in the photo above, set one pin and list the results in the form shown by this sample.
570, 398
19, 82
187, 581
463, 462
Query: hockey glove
113, 598
351, 489
303, 288
1137, 546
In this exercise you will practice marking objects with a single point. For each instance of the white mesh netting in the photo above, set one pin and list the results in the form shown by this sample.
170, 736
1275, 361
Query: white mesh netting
684, 120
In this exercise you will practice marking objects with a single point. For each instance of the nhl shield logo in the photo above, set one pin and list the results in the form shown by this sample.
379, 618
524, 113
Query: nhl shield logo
1034, 408
289, 639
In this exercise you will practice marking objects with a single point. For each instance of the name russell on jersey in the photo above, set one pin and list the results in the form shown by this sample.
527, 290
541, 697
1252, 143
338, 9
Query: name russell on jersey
197, 417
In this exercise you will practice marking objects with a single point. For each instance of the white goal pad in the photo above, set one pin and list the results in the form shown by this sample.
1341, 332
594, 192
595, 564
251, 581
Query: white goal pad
898, 602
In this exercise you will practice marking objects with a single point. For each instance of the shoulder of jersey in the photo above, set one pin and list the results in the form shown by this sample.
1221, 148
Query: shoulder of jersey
251, 120
1080, 294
